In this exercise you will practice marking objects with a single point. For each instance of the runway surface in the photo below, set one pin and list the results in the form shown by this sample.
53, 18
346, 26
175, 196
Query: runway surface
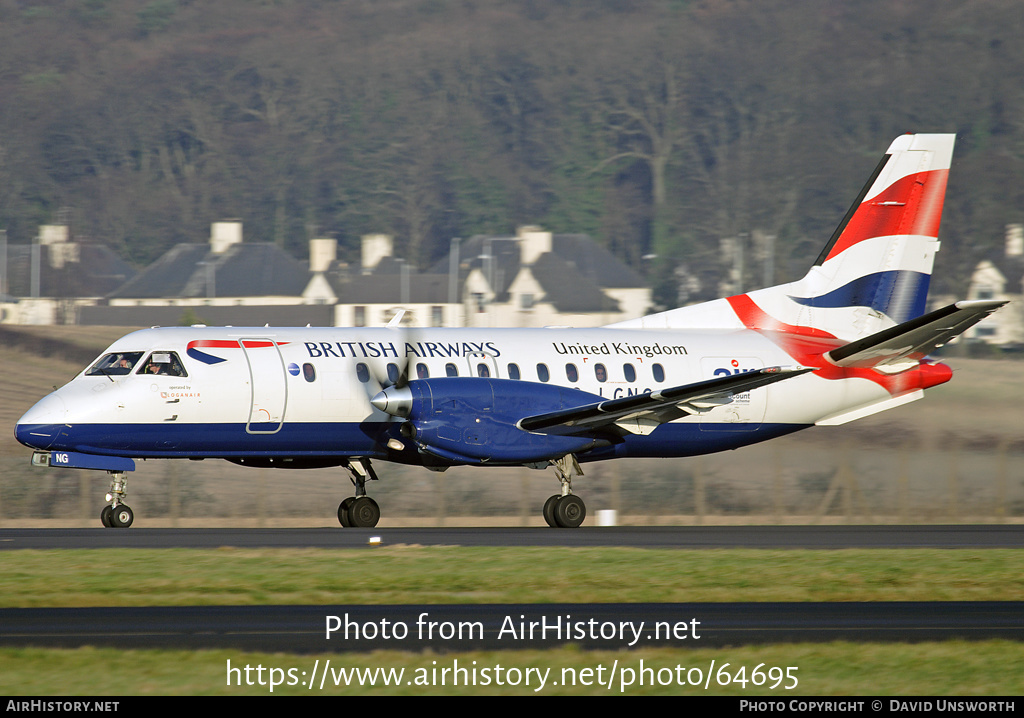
303, 629
679, 537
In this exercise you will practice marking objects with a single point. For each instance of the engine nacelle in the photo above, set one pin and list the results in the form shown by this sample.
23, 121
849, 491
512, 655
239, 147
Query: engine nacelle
471, 420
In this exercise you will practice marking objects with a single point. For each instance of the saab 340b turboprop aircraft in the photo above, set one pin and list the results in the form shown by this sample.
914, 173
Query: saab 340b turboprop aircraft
849, 339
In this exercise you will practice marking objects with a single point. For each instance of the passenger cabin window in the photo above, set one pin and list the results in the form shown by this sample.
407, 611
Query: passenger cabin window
600, 373
451, 370
483, 370
308, 372
393, 372
659, 373
422, 372
115, 364
630, 372
513, 371
163, 364
571, 373
362, 372
542, 372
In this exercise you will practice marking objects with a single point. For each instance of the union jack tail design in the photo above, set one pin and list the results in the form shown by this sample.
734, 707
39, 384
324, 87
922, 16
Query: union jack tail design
875, 270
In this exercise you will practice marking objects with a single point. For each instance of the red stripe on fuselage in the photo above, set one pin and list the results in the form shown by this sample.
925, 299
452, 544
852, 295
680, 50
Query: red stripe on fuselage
918, 204
807, 346
231, 344
214, 344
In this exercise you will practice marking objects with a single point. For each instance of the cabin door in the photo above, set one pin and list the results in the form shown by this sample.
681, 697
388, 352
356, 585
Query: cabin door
268, 389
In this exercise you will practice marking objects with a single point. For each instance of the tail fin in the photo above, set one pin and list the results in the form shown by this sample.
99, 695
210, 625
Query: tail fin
873, 273
879, 259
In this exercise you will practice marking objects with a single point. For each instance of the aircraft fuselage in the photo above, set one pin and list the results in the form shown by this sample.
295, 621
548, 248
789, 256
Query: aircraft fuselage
305, 392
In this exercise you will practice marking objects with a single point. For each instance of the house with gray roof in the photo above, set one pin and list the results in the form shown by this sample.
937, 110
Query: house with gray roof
224, 272
1001, 276
223, 281
373, 290
51, 279
537, 278
534, 278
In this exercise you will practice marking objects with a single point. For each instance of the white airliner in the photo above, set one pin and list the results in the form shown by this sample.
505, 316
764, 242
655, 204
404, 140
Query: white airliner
849, 339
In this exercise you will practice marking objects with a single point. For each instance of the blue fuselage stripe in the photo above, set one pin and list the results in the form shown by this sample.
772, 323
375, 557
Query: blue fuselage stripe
362, 439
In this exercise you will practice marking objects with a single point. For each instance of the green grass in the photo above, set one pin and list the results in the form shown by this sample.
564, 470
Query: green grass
409, 574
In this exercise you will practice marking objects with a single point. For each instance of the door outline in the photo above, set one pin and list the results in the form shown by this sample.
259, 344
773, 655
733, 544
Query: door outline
267, 399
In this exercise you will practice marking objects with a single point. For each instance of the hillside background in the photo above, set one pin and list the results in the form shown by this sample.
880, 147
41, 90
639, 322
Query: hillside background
656, 126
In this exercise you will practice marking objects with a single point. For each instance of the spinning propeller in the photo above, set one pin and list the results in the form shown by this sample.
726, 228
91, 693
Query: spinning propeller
391, 374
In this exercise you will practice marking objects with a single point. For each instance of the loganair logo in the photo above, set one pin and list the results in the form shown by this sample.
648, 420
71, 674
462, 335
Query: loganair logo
193, 347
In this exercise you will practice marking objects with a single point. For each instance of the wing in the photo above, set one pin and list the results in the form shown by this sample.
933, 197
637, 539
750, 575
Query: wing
902, 346
645, 411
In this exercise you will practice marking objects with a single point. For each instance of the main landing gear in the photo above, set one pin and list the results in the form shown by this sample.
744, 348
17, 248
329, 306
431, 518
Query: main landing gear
117, 515
359, 511
565, 510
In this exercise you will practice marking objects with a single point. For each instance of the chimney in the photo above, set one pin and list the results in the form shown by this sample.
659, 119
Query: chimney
1014, 240
322, 252
533, 242
375, 248
53, 233
60, 251
225, 234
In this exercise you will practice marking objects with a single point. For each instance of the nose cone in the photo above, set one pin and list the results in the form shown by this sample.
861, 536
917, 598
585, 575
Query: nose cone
394, 401
39, 427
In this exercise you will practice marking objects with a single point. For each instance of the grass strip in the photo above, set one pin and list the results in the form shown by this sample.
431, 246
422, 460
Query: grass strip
413, 574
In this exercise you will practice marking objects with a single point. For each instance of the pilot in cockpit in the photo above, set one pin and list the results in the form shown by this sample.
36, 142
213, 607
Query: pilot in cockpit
163, 364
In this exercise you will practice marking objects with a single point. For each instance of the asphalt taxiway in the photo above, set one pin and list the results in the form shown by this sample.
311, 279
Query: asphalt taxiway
305, 629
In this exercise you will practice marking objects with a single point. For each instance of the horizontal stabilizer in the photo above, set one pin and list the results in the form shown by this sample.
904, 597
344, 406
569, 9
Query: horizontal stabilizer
908, 343
660, 405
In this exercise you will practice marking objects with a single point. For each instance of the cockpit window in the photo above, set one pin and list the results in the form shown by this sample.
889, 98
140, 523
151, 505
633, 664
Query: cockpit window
163, 364
115, 364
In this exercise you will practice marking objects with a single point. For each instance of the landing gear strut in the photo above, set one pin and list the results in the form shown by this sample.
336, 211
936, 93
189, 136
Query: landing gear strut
360, 510
565, 510
117, 515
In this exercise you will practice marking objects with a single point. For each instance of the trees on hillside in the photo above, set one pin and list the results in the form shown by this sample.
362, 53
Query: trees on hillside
658, 126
